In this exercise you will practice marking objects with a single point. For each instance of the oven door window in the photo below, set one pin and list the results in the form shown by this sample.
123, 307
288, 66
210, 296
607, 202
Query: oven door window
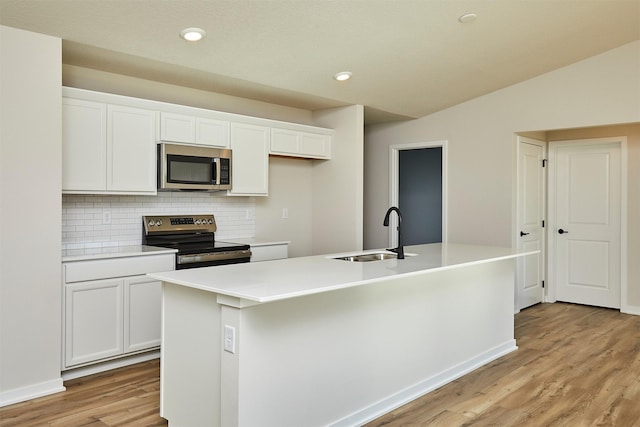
191, 170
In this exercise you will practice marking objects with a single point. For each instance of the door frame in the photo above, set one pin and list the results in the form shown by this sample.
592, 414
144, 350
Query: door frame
551, 235
543, 250
394, 181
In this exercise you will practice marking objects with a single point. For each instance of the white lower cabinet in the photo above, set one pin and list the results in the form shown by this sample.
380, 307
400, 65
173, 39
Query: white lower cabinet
142, 313
110, 317
94, 319
268, 252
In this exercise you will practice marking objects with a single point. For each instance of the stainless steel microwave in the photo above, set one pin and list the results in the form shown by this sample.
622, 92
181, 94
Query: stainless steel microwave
193, 168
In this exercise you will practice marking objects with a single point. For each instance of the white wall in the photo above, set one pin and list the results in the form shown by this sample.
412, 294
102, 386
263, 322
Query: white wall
601, 90
338, 184
323, 197
30, 187
101, 81
290, 181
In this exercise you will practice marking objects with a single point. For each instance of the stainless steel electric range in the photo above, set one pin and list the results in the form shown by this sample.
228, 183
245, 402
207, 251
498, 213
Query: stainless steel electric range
194, 238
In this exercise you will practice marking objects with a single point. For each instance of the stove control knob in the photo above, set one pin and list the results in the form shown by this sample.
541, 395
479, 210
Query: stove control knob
151, 223
197, 222
210, 221
159, 222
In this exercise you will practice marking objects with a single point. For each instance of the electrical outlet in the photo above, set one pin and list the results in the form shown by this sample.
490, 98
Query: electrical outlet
106, 217
229, 339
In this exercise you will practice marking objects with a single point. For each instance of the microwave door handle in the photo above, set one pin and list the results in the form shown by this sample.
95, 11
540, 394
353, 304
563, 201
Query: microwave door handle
215, 171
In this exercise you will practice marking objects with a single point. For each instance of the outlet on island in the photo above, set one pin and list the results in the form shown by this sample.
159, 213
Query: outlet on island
229, 339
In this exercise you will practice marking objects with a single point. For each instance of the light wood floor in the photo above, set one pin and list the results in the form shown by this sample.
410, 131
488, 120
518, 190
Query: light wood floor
576, 366
127, 396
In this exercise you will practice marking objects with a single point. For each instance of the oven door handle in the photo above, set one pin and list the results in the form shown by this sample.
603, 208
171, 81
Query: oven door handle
213, 256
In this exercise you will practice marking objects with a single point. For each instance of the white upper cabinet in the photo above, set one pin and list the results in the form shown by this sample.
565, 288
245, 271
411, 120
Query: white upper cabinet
109, 142
177, 128
294, 143
249, 160
194, 130
284, 141
131, 157
107, 148
84, 145
212, 132
315, 145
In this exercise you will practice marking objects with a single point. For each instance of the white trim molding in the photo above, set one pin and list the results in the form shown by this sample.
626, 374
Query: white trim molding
31, 391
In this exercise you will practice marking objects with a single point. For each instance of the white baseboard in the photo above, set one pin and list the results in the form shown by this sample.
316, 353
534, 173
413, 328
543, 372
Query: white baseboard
109, 365
31, 391
630, 309
411, 393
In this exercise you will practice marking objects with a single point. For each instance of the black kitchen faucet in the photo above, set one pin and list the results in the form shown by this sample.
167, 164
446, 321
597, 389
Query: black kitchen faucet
400, 249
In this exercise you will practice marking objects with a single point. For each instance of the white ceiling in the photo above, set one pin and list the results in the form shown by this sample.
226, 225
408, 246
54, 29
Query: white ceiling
409, 58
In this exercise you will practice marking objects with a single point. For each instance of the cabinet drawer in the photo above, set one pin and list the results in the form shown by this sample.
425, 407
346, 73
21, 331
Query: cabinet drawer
79, 271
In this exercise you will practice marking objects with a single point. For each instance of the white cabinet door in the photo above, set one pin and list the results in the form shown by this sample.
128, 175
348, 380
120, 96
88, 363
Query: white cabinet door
194, 130
177, 128
84, 142
212, 132
131, 165
315, 145
284, 141
142, 313
300, 144
249, 160
93, 323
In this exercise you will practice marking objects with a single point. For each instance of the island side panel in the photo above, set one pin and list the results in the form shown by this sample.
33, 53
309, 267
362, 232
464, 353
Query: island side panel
348, 356
190, 357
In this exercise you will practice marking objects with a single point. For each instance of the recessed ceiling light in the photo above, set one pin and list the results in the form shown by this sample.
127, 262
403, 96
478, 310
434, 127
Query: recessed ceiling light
467, 17
192, 34
342, 76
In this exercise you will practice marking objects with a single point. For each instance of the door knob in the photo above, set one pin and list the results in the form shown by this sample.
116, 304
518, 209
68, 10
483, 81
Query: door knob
522, 233
561, 231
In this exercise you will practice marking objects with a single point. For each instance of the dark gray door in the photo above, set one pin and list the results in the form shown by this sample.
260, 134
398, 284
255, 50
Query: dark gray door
420, 195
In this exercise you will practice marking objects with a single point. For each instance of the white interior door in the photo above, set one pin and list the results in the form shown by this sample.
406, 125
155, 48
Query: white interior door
587, 224
530, 232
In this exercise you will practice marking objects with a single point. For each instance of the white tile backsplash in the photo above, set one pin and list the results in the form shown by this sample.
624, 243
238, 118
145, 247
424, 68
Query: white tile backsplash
85, 225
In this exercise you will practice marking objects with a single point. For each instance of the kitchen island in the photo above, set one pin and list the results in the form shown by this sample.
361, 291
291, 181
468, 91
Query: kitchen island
322, 341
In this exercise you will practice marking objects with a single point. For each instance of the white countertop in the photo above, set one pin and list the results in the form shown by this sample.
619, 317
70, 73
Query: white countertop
113, 252
252, 241
293, 277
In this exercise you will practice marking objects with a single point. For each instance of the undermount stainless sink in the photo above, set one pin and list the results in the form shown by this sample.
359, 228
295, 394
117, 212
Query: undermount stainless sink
376, 256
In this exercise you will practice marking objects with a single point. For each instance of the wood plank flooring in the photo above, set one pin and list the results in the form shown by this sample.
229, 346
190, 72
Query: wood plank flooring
576, 366
128, 396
